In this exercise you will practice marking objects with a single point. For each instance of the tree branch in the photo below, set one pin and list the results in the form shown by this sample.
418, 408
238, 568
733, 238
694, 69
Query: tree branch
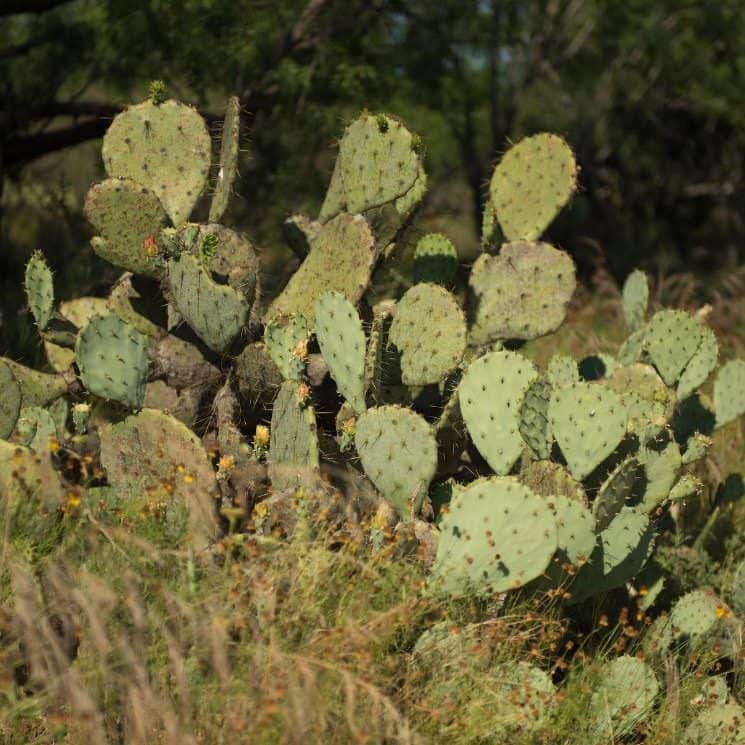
13, 7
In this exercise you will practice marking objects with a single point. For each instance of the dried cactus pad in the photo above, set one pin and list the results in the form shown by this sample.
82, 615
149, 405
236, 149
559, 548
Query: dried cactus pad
229, 149
588, 422
378, 162
491, 394
39, 289
497, 535
113, 362
128, 218
343, 346
429, 330
154, 458
10, 400
521, 294
165, 147
340, 259
435, 259
531, 184
729, 392
398, 451
671, 339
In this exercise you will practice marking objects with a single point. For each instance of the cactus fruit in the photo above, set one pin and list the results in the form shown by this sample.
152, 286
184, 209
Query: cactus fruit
497, 535
534, 425
166, 148
616, 491
671, 339
635, 296
700, 366
286, 341
216, 312
625, 695
128, 217
435, 259
342, 342
729, 392
156, 461
491, 394
10, 400
112, 358
378, 163
229, 149
293, 448
39, 288
429, 331
341, 259
531, 185
723, 724
522, 293
588, 422
398, 451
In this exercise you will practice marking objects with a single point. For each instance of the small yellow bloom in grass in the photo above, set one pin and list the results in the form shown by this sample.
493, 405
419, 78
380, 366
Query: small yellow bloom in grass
261, 509
261, 437
188, 478
53, 445
73, 501
180, 468
723, 612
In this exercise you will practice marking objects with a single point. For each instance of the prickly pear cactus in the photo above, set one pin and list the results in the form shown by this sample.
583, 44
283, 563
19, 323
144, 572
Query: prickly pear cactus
435, 259
166, 148
535, 428
343, 346
616, 491
522, 293
671, 339
635, 297
112, 358
229, 150
39, 287
723, 724
429, 330
700, 366
398, 451
729, 392
10, 400
286, 341
532, 183
497, 535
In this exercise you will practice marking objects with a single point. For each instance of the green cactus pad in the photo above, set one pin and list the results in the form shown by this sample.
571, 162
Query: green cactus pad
549, 479
729, 392
429, 330
661, 460
398, 451
686, 488
723, 724
229, 150
491, 394
616, 491
378, 163
286, 340
737, 592
588, 422
496, 536
521, 294
156, 461
37, 388
112, 358
700, 366
36, 428
489, 226
217, 313
575, 534
534, 425
523, 698
694, 616
671, 338
341, 259
293, 446
644, 394
165, 147
635, 297
632, 348
435, 259
562, 370
39, 287
697, 447
343, 346
80, 311
532, 183
10, 400
128, 218
625, 696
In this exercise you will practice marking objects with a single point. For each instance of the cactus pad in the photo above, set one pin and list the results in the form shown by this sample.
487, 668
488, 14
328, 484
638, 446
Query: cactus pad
286, 340
342, 342
575, 533
435, 259
398, 451
700, 365
729, 392
491, 394
229, 150
532, 183
429, 330
36, 428
635, 296
155, 460
165, 147
534, 425
550, 479
521, 294
10, 400
616, 491
378, 163
112, 358
39, 288
497, 535
128, 218
671, 338
341, 259
588, 422
562, 370
644, 394
723, 724
661, 460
